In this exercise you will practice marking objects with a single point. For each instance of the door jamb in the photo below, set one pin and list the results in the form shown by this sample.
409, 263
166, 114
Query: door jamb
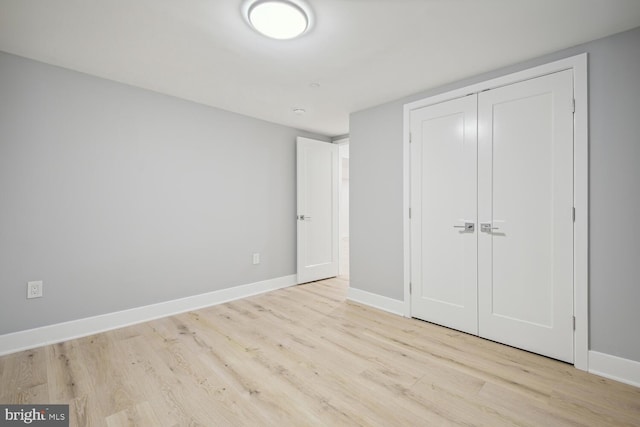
340, 142
578, 64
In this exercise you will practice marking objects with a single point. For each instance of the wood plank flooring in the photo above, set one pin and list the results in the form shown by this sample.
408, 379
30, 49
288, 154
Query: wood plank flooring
304, 356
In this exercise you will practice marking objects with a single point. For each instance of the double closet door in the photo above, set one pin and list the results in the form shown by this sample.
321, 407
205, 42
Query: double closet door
492, 214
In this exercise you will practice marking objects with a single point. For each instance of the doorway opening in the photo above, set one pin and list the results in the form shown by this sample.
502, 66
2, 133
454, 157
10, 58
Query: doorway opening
343, 215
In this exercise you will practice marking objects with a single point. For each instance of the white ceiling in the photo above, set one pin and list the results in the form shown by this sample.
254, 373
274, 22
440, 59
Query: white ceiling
361, 52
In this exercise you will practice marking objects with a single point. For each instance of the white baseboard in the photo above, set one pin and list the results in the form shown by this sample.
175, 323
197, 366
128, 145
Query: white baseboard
32, 338
616, 368
377, 301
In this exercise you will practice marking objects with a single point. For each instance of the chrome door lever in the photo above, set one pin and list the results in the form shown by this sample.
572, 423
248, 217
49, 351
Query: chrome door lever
486, 227
468, 226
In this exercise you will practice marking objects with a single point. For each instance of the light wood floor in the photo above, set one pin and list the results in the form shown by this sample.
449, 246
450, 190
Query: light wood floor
303, 356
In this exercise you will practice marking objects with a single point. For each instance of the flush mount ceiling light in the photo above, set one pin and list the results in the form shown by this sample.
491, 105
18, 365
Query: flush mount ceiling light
278, 19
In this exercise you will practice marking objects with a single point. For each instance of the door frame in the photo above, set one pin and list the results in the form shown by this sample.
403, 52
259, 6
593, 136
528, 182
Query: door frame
578, 64
341, 142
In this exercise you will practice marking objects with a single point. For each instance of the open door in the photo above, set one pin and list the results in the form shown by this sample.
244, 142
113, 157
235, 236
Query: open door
317, 218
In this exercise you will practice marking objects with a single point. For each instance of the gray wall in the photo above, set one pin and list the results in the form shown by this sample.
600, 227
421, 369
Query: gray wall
614, 138
117, 197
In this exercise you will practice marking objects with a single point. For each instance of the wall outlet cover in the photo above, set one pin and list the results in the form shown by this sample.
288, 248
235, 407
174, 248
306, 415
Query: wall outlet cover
34, 289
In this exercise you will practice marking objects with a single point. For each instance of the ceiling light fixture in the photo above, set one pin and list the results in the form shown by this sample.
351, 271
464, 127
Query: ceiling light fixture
278, 19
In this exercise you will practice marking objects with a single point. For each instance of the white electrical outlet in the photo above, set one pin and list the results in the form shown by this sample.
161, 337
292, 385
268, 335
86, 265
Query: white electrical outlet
256, 259
34, 289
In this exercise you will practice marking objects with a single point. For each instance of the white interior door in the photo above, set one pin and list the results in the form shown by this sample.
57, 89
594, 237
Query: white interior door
317, 205
443, 217
525, 198
502, 163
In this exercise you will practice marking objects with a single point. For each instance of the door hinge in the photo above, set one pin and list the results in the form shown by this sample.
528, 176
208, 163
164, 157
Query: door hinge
409, 213
574, 323
574, 106
574, 214
410, 137
410, 288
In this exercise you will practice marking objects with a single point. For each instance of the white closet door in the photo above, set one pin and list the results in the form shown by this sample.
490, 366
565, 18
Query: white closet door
525, 196
443, 199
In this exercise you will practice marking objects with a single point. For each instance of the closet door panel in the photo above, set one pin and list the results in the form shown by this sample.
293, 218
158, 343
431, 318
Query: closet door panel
525, 194
443, 222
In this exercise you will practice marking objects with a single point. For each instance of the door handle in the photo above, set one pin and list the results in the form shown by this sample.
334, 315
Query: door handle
303, 217
486, 227
468, 226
